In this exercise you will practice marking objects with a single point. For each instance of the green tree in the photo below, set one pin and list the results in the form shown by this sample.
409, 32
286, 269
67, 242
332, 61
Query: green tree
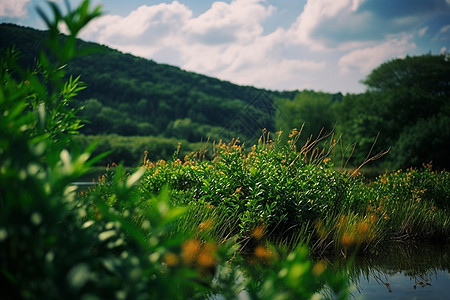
314, 109
410, 96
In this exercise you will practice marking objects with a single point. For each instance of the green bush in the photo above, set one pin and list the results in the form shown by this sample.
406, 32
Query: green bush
106, 243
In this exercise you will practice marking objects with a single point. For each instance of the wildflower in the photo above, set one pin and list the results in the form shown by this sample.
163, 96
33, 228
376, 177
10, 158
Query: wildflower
363, 227
386, 217
347, 239
189, 250
262, 252
373, 218
319, 267
206, 257
326, 160
258, 232
293, 132
171, 259
206, 225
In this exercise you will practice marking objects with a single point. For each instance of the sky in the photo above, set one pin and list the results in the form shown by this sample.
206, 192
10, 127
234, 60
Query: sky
321, 45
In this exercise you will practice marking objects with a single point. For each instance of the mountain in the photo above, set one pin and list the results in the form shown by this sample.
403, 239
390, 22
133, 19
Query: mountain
132, 104
129, 95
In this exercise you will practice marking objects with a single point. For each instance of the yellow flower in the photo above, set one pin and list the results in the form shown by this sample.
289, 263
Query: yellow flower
206, 225
258, 232
262, 252
206, 257
171, 259
363, 227
347, 239
319, 267
189, 250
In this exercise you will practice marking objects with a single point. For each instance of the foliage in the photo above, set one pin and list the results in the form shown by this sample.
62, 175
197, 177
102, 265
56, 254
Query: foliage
129, 150
313, 109
133, 96
182, 229
108, 243
405, 108
271, 184
295, 195
407, 104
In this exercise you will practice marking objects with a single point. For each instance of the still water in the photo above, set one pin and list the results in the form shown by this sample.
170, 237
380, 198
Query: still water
400, 285
405, 271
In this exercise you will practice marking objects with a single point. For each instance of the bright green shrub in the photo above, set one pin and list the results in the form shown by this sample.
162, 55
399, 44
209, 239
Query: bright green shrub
271, 184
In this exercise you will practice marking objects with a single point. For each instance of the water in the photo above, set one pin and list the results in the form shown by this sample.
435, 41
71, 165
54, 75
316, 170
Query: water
400, 285
405, 271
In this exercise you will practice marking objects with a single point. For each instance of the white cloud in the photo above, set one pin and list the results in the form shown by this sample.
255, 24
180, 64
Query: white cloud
227, 41
366, 59
443, 34
145, 25
231, 40
13, 8
422, 31
238, 21
315, 12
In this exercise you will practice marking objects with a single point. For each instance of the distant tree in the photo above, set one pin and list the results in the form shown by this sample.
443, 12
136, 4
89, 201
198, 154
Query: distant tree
407, 101
314, 109
411, 88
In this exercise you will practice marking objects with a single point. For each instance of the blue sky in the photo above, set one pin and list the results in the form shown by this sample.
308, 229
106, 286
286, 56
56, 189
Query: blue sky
324, 45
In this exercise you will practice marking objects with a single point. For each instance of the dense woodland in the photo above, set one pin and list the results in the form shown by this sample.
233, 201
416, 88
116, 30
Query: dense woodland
133, 104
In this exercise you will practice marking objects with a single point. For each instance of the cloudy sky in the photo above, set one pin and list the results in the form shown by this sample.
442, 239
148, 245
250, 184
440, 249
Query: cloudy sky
324, 45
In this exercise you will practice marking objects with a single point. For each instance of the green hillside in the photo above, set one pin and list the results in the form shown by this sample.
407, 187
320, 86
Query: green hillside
132, 104
128, 95
135, 98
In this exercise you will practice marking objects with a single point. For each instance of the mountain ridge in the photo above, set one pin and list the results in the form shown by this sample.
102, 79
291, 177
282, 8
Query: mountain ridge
145, 91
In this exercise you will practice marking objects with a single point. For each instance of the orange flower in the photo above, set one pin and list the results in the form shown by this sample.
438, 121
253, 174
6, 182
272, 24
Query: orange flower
258, 232
206, 257
171, 259
263, 253
189, 250
347, 239
206, 225
319, 267
363, 227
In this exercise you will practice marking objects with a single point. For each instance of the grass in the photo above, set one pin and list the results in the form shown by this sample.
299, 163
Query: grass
189, 228
298, 196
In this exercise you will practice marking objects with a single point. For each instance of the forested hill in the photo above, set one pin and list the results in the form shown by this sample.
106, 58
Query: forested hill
128, 95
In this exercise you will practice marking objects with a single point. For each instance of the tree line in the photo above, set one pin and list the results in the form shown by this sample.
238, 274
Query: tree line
405, 108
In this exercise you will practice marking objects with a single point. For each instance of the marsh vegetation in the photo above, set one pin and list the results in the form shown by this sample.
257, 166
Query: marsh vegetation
225, 218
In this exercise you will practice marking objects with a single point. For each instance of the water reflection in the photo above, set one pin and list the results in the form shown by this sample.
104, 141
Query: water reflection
403, 271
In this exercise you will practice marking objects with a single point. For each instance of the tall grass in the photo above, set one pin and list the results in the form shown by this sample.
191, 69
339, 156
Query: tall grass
298, 196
